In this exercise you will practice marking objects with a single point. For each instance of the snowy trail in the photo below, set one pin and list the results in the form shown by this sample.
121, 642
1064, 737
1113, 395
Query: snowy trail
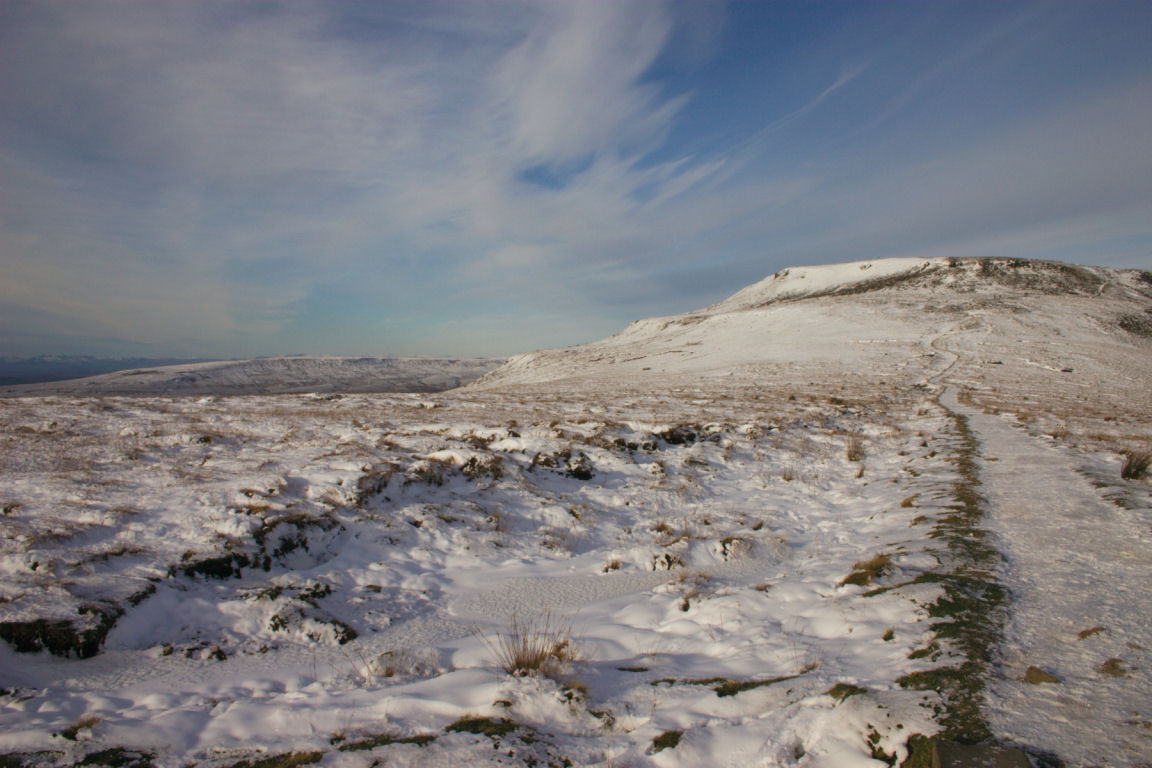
1075, 562
795, 461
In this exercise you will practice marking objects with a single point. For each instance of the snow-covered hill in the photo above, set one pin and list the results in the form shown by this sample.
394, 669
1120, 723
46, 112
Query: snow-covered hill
275, 375
44, 368
1024, 326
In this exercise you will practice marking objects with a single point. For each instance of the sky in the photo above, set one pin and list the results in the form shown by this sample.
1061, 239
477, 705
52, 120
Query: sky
236, 179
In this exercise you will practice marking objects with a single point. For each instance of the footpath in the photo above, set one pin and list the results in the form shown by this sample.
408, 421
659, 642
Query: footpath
1072, 678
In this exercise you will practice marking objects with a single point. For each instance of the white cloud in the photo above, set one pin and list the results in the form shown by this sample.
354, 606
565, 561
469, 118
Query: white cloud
214, 165
575, 85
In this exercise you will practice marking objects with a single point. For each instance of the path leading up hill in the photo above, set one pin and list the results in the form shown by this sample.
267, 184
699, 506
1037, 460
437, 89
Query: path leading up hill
1070, 678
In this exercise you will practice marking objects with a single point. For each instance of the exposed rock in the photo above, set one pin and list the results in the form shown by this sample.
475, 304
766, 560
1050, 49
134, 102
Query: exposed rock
1035, 676
1113, 668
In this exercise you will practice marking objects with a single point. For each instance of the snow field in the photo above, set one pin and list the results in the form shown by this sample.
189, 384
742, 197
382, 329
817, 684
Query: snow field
297, 573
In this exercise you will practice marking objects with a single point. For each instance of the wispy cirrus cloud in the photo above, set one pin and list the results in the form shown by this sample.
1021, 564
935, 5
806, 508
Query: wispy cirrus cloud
575, 86
240, 144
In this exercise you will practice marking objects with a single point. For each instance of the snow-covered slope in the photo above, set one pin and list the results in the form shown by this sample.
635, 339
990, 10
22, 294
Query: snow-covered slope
275, 375
1022, 324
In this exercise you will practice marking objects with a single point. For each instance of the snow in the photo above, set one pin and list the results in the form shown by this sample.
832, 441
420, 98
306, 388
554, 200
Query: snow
330, 573
799, 282
687, 561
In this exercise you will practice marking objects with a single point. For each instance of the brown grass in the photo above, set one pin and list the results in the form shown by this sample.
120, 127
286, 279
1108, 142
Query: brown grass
86, 722
1136, 464
854, 448
666, 740
1113, 668
842, 691
866, 571
532, 646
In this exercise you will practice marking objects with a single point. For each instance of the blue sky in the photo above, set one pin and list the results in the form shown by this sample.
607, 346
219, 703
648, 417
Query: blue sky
240, 178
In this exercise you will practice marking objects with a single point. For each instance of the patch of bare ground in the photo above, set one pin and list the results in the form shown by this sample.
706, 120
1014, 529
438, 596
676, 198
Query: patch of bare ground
969, 616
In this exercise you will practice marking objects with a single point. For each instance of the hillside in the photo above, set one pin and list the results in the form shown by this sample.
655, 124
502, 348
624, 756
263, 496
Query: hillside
1020, 329
44, 368
273, 375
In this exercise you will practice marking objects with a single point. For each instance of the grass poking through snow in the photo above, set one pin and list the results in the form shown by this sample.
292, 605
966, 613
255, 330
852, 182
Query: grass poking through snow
532, 646
1136, 464
867, 571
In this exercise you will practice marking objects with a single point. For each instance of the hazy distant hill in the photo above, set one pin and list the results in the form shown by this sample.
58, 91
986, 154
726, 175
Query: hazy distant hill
42, 368
274, 375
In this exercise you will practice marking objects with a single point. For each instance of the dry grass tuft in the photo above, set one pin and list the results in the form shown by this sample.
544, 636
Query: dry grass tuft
1113, 668
842, 691
1136, 464
866, 571
87, 722
1037, 676
491, 466
854, 448
429, 471
666, 740
533, 646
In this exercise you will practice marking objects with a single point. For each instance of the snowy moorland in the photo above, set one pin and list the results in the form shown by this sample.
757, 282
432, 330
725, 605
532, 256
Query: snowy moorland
273, 375
811, 525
